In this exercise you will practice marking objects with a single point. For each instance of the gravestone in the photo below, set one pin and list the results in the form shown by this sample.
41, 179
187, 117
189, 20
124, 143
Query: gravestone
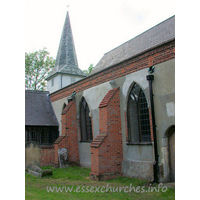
63, 158
32, 154
37, 171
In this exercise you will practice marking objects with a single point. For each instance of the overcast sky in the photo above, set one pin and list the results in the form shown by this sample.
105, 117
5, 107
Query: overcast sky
98, 26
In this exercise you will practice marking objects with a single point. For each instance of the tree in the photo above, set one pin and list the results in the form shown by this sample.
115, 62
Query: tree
89, 70
37, 66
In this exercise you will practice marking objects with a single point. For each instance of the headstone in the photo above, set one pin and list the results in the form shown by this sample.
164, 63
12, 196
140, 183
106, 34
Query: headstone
63, 158
37, 171
32, 153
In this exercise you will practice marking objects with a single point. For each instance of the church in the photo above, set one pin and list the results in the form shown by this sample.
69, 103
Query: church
120, 119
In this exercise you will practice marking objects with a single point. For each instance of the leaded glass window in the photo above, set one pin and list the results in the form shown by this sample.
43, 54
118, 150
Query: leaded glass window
85, 122
138, 116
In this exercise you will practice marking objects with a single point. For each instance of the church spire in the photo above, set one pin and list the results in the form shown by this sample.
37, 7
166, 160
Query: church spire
66, 53
66, 60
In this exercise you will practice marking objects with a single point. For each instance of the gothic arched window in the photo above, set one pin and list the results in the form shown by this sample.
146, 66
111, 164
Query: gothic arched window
85, 122
138, 116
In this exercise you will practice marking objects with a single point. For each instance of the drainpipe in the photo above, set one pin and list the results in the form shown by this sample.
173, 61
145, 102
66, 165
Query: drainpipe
150, 78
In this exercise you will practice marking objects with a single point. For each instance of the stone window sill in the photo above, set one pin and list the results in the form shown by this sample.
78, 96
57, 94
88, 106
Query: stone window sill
82, 141
138, 143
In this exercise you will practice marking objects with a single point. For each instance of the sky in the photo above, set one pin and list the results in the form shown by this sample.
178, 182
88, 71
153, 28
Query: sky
98, 26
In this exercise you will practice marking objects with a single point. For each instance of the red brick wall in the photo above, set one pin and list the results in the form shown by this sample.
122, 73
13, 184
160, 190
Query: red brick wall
152, 57
47, 155
68, 140
95, 162
69, 129
106, 149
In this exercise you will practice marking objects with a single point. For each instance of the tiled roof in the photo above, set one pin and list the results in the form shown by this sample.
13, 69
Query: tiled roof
66, 60
38, 109
159, 34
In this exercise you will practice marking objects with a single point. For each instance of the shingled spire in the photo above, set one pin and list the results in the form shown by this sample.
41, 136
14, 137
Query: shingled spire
66, 60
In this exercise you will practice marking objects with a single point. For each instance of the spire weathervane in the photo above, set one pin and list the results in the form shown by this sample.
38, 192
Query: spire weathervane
67, 7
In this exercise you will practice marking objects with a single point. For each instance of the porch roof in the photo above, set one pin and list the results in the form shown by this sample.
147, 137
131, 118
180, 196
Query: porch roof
38, 109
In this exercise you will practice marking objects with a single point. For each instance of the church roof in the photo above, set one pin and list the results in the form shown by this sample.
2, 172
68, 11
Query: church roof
38, 109
66, 60
159, 34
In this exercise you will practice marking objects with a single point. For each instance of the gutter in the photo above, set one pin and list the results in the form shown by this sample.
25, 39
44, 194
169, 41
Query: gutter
53, 75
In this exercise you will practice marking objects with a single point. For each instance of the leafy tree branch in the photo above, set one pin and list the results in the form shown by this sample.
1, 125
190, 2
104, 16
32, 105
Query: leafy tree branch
37, 66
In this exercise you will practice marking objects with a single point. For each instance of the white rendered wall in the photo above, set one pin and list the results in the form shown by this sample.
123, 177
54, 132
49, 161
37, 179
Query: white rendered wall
61, 81
56, 86
66, 79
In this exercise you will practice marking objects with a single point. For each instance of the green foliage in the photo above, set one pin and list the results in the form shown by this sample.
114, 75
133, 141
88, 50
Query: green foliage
37, 66
89, 70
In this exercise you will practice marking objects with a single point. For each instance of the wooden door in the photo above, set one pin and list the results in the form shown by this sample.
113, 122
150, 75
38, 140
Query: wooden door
172, 155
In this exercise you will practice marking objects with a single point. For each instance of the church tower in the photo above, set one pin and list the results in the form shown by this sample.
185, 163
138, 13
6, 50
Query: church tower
66, 70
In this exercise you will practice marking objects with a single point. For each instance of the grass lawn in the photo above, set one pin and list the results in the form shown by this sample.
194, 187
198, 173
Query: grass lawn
76, 180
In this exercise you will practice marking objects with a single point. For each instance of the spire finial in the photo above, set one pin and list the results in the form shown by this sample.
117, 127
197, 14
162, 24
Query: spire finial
68, 8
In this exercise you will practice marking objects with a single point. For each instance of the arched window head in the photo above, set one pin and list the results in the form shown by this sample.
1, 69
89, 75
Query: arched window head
138, 116
85, 122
